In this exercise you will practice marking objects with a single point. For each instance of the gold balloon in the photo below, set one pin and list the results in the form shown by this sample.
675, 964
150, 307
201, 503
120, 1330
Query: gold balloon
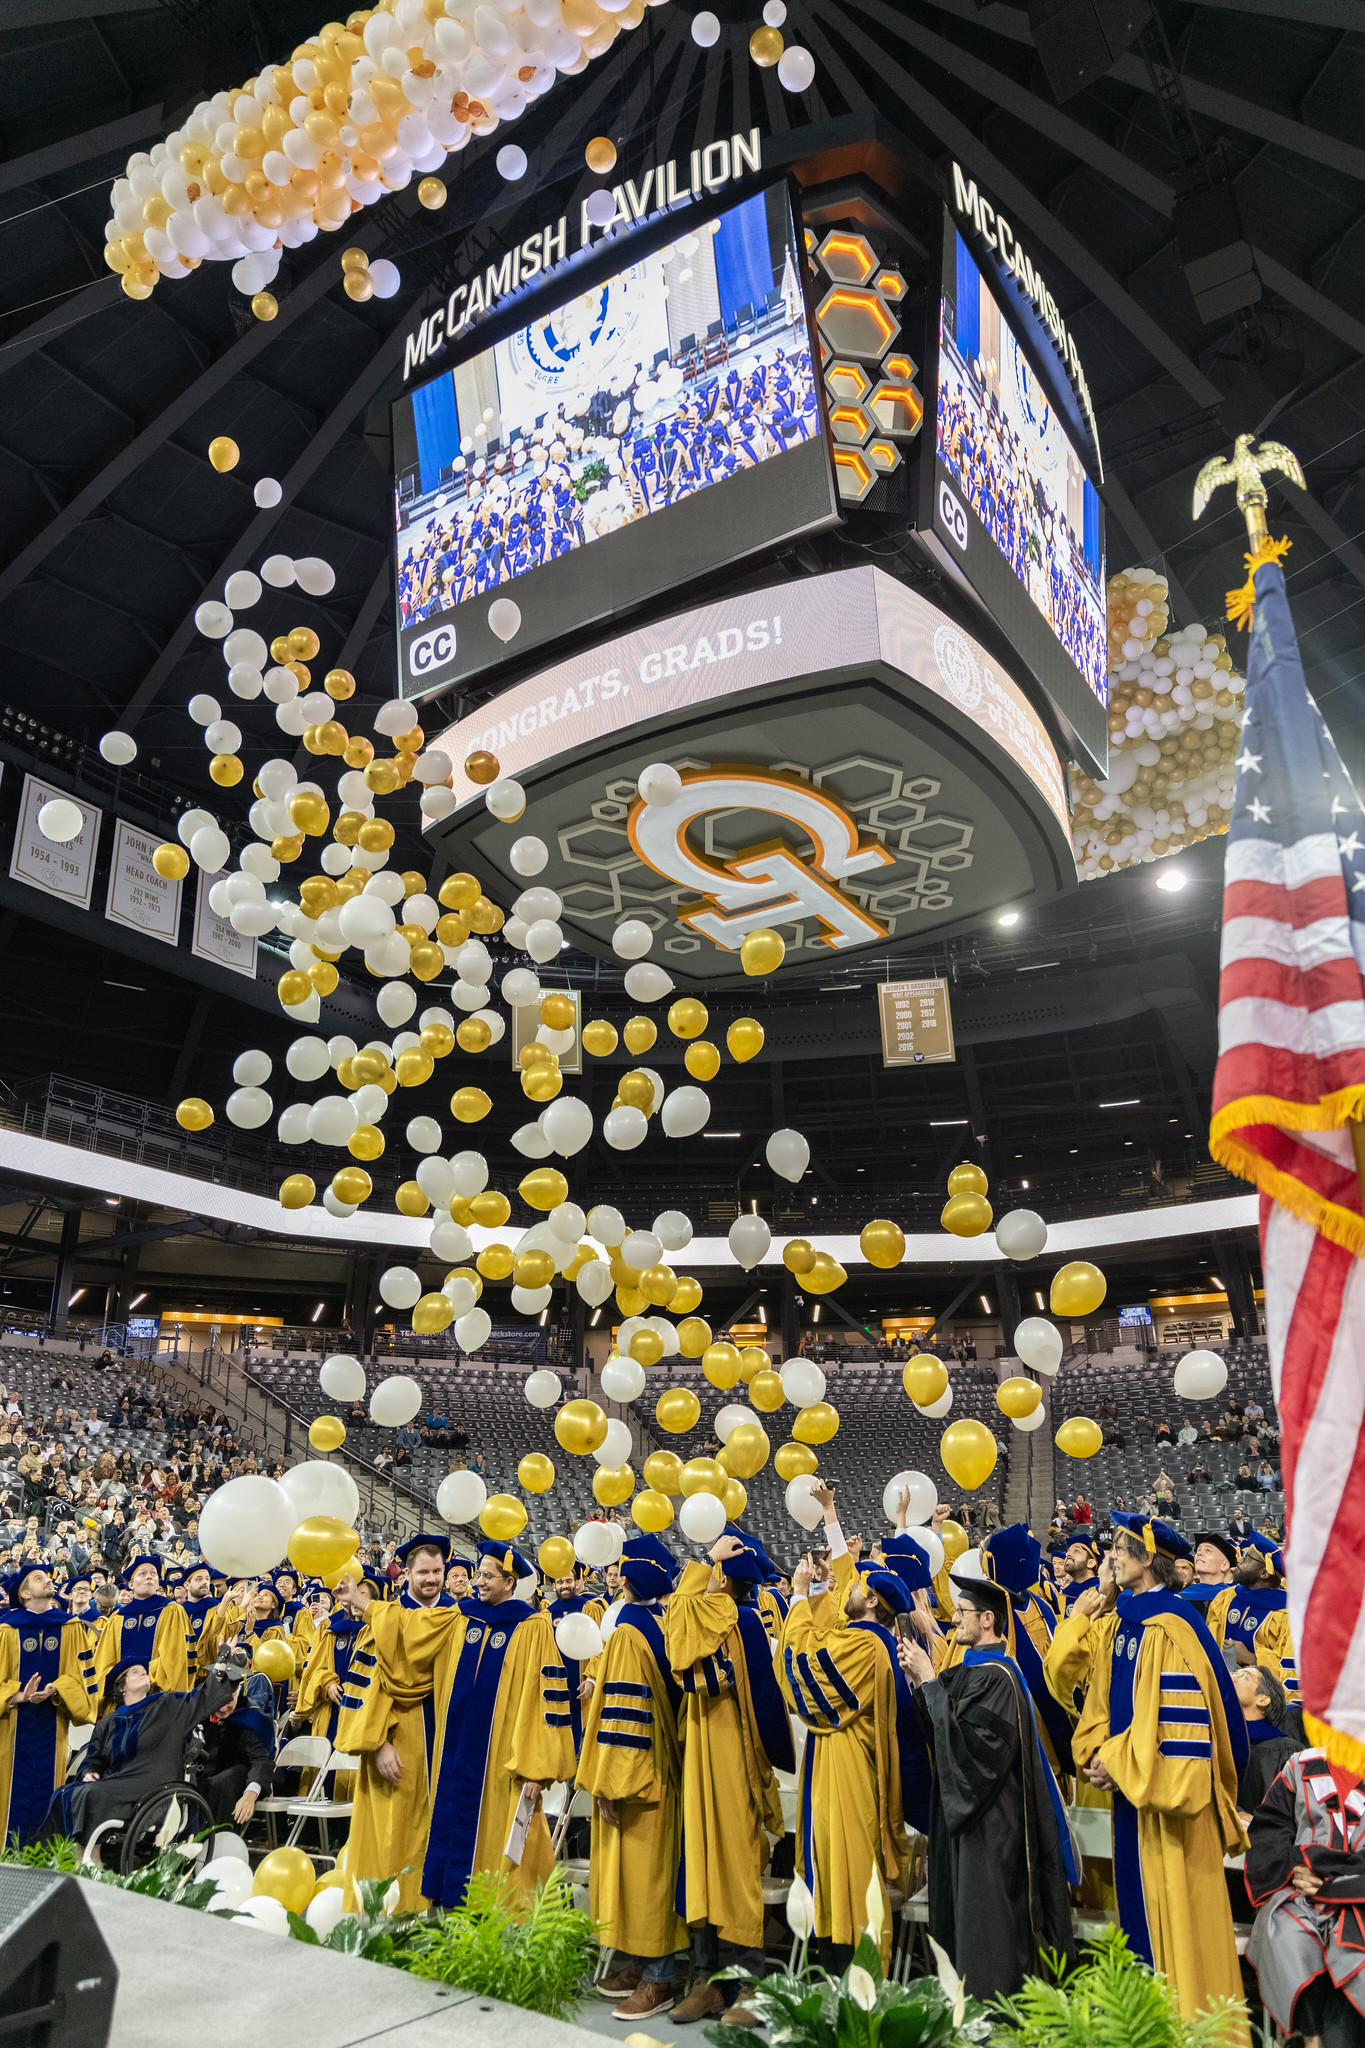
1079, 1437
954, 1539
339, 684
599, 1038
746, 1449
285, 1874
327, 1433
882, 1244
967, 1449
753, 1360
1077, 1289
465, 1273
502, 1517
432, 1314
536, 1473
744, 1038
556, 1557
366, 1142
816, 1424
544, 1188
677, 1410
171, 862
765, 1391
658, 1284
324, 977
792, 1459
703, 1475
194, 1114
702, 1060
652, 1511
265, 306
320, 1543
612, 1485
1018, 1395
639, 1034
630, 1301
470, 1105
556, 1010
352, 1184
431, 193
798, 1255
293, 988
309, 813
600, 155
687, 1018
621, 1273
541, 1084
225, 770
968, 1180
276, 1660
823, 1275
535, 1268
368, 1066
736, 1501
482, 767
537, 1055
663, 1472
646, 1347
966, 1215
636, 1090
411, 1200
719, 1362
437, 1040
684, 1299
924, 1379
490, 1210
766, 46
224, 453
426, 960
303, 643
460, 1211
762, 952
296, 1192
459, 892
694, 1336
580, 1426
287, 847
496, 1261
358, 285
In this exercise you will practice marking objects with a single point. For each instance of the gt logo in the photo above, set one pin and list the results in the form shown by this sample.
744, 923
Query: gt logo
953, 517
431, 650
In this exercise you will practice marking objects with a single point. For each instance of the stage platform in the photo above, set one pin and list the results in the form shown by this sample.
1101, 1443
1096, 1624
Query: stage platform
194, 1976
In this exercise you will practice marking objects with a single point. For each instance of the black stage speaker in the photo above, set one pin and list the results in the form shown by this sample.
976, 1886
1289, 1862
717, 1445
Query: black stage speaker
57, 1978
1079, 40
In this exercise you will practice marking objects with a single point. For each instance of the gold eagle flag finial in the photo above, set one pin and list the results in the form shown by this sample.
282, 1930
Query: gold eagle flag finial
1248, 469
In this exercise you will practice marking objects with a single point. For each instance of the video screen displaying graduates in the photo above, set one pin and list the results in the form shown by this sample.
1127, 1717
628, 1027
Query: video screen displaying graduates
687, 370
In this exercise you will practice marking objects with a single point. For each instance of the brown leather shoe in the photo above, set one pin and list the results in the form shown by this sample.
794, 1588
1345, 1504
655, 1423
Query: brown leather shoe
644, 2002
740, 2016
620, 1984
703, 2002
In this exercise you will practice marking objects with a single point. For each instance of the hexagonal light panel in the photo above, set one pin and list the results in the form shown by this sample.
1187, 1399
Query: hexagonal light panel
898, 368
883, 456
825, 351
891, 285
847, 258
848, 381
857, 322
854, 473
898, 409
850, 424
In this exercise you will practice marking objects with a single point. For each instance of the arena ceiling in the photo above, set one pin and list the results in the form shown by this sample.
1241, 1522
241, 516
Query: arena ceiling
113, 525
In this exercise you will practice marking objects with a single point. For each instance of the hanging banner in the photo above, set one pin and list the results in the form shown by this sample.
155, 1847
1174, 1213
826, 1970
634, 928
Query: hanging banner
214, 937
526, 1025
138, 896
917, 1023
66, 870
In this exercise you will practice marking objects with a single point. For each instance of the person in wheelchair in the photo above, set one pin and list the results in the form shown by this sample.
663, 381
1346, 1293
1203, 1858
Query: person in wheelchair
211, 1738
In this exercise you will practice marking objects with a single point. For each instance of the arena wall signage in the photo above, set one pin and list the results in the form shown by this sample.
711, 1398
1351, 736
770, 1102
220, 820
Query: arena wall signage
857, 771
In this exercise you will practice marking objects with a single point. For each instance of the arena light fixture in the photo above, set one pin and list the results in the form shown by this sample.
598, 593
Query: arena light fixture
1172, 879
596, 1319
1125, 1102
945, 1123
317, 1312
137, 1301
985, 1302
75, 1297
1008, 917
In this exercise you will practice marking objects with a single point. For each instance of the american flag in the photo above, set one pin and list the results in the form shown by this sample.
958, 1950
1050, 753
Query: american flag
1291, 1068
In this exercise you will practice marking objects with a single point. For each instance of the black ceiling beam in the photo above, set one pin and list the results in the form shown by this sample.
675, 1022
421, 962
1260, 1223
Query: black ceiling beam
70, 309
83, 148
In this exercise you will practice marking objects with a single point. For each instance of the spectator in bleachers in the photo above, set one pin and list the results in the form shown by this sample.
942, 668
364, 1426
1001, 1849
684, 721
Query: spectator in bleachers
1163, 1494
1244, 1477
1198, 1474
1239, 1526
1162, 1433
1266, 1477
1188, 1433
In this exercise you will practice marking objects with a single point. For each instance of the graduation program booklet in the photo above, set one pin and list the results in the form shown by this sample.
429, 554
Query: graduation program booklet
521, 1821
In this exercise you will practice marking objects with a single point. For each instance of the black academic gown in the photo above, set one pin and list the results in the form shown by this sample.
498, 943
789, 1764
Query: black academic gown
133, 1752
997, 1878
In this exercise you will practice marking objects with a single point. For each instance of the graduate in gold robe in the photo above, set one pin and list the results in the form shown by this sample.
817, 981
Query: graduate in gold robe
322, 1684
1163, 1732
631, 1763
1083, 1638
1215, 1564
735, 1733
46, 1674
1257, 1619
149, 1628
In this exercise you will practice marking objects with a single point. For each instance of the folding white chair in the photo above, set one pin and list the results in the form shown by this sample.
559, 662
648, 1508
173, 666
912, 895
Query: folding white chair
316, 1806
300, 1753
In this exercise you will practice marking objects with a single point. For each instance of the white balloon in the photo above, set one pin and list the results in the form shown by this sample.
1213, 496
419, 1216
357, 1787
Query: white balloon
60, 820
796, 69
788, 1154
204, 709
749, 1240
292, 1128
544, 940
323, 1912
267, 493
511, 162
624, 1128
702, 1517
343, 1378
1200, 1375
504, 617
968, 1566
594, 1543
311, 573
934, 1409
567, 1222
473, 963
250, 1069
307, 1059
533, 904
923, 1496
615, 1447
705, 29
370, 1103
395, 1401
209, 849
340, 1049
800, 1506
214, 621
594, 1282
232, 1882
732, 1416
641, 1248
505, 798
264, 1912
521, 986
531, 1141
802, 1382
365, 919
436, 1180
249, 1108
316, 1488
567, 1125
607, 1225
460, 1496
932, 1547
685, 1112
395, 1002
331, 1120
578, 1637
118, 748
646, 983
245, 1526
277, 570
222, 736
632, 939
423, 1134
400, 1287
1021, 1234
471, 1331
385, 278
469, 1174
623, 1379
1038, 1345
542, 1389
462, 1296
242, 590
659, 784
1033, 1421
673, 1230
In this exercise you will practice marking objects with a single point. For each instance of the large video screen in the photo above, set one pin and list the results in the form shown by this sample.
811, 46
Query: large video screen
661, 423
1021, 518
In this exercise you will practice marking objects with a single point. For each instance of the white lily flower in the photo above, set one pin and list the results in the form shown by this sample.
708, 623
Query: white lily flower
873, 1907
861, 1988
800, 1910
952, 1984
170, 1827
391, 1898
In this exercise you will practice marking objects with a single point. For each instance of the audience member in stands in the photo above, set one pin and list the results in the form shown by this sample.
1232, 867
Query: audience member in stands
1266, 1477
1188, 1432
1198, 1474
1081, 1513
1163, 1493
